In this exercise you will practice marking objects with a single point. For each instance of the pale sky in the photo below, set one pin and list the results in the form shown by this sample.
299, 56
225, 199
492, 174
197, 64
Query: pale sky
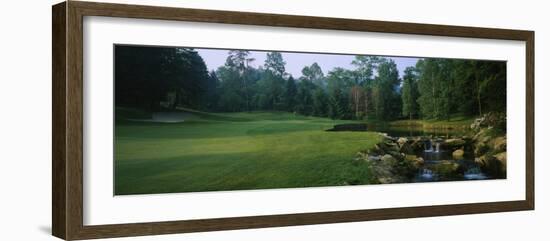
215, 58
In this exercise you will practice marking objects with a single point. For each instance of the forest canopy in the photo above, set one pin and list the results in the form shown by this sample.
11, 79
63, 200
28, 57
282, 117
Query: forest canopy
165, 78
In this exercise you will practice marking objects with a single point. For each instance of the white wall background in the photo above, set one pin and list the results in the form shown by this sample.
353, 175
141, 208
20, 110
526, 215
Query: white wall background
25, 120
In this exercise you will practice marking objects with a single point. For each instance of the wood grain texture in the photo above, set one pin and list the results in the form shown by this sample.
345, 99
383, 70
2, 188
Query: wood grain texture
67, 217
530, 120
155, 228
74, 121
280, 20
58, 121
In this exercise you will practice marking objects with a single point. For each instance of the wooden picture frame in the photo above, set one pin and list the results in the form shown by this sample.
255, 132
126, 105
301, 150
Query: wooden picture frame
67, 150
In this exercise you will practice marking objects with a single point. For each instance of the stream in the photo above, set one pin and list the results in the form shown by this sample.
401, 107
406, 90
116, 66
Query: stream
439, 163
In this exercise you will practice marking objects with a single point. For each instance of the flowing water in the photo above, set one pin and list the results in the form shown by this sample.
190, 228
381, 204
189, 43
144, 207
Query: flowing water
439, 164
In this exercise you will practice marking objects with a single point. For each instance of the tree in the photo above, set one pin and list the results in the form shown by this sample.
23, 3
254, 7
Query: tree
365, 66
232, 97
495, 86
320, 102
466, 87
240, 60
272, 82
409, 92
275, 63
387, 100
151, 78
211, 96
358, 100
314, 74
304, 97
290, 94
338, 107
427, 87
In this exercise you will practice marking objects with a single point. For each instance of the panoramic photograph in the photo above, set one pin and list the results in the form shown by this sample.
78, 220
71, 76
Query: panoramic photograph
193, 119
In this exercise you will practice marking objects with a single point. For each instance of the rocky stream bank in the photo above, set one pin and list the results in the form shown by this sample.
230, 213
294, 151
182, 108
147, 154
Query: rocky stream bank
478, 154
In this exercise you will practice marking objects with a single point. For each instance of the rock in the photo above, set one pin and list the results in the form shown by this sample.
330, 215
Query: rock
417, 146
485, 139
480, 149
397, 155
492, 165
374, 158
410, 157
406, 148
499, 144
458, 154
383, 170
447, 169
387, 137
420, 161
480, 160
388, 147
416, 161
385, 180
477, 123
481, 134
401, 141
391, 145
377, 150
388, 159
491, 119
501, 157
454, 143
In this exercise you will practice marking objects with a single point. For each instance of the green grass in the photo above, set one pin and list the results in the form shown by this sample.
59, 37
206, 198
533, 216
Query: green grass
236, 151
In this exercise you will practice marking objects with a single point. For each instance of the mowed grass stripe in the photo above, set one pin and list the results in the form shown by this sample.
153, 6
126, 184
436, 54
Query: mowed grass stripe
274, 150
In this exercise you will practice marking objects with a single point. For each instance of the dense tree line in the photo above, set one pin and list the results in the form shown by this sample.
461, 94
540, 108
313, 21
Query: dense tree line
155, 78
465, 87
340, 94
151, 78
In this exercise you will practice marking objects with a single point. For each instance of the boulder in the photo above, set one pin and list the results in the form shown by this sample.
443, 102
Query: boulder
401, 141
458, 154
377, 150
391, 146
374, 158
454, 143
417, 146
416, 161
410, 157
491, 119
481, 160
492, 165
420, 161
388, 159
397, 155
499, 144
406, 148
481, 134
480, 148
501, 157
447, 169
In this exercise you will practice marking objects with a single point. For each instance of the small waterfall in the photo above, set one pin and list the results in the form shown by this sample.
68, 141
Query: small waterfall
474, 173
428, 146
437, 147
